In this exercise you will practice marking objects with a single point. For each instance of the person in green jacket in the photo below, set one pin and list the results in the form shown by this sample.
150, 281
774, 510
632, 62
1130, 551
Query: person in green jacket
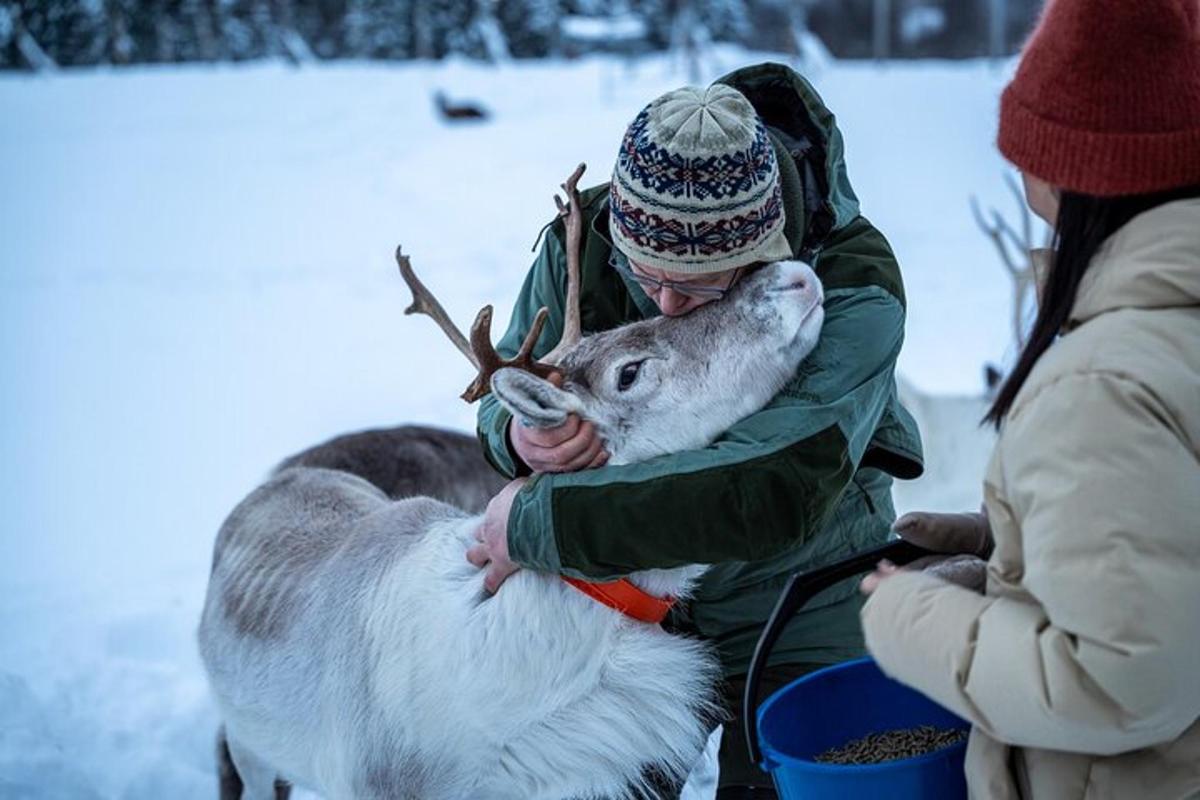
709, 183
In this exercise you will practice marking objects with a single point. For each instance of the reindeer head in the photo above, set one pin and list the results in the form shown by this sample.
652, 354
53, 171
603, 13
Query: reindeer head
676, 383
653, 387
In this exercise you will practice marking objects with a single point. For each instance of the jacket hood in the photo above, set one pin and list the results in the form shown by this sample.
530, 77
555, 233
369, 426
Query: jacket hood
818, 198
1153, 261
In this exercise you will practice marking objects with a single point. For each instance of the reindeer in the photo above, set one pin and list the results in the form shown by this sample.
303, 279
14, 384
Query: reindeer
397, 461
458, 112
352, 649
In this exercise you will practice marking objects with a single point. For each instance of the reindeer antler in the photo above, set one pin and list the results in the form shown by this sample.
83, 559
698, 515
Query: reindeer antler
572, 213
425, 303
490, 360
1016, 252
480, 351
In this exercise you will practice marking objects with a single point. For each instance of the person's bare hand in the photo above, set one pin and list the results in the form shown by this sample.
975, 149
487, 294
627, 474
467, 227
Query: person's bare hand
492, 551
884, 570
572, 446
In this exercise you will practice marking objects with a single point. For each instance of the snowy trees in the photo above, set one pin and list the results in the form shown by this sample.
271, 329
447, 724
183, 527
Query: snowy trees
922, 28
379, 29
38, 34
530, 26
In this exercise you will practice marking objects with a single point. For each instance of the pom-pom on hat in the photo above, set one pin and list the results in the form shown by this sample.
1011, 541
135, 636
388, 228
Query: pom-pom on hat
1106, 100
696, 185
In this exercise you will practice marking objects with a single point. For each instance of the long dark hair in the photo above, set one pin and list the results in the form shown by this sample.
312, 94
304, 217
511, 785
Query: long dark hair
1084, 223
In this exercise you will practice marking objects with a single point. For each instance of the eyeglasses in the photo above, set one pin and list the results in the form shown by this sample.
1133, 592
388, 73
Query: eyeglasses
651, 285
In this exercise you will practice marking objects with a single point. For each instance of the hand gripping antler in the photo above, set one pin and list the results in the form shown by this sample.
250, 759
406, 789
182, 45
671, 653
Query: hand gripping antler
479, 350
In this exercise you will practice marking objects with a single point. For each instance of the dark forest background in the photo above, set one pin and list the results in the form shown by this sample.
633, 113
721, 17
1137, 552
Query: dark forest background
45, 34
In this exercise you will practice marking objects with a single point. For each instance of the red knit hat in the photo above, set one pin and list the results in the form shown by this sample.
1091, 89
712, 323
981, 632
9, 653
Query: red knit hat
1106, 100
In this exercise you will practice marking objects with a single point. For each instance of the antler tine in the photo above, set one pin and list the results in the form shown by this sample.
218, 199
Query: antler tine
487, 360
480, 350
1023, 209
993, 232
1015, 251
1022, 246
425, 303
572, 211
977, 213
525, 354
486, 357
490, 361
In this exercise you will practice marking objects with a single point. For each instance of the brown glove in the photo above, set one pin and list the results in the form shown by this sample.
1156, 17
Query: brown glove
967, 533
969, 572
967, 538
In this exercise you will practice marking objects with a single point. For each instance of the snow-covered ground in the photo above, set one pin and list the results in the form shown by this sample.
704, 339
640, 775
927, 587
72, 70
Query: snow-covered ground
196, 279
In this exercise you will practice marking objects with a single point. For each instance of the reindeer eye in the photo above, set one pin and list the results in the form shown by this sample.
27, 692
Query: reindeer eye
629, 374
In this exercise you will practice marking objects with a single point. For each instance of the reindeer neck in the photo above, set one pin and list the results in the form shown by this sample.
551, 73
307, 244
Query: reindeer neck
676, 583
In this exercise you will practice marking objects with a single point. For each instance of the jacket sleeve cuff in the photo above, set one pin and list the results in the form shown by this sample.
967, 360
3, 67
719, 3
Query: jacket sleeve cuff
497, 449
531, 542
921, 631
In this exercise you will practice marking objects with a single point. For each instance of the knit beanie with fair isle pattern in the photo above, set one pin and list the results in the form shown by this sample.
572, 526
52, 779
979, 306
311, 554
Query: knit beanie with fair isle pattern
696, 186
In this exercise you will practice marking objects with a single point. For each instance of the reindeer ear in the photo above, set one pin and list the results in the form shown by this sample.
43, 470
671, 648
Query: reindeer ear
532, 400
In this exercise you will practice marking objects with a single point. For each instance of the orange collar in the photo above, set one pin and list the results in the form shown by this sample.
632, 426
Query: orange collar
626, 598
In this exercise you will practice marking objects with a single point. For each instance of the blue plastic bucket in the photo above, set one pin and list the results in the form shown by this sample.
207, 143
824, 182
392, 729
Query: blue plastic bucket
840, 704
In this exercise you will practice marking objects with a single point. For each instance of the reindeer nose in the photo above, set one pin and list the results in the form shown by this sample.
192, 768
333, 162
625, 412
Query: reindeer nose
797, 277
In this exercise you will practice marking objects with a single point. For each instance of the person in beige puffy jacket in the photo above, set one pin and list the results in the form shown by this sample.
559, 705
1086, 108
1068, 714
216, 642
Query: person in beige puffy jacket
1079, 664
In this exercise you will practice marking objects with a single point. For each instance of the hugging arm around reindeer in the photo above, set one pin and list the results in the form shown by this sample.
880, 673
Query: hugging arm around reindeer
815, 459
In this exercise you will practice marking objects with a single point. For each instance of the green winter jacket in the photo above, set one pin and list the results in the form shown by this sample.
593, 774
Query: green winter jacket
804, 482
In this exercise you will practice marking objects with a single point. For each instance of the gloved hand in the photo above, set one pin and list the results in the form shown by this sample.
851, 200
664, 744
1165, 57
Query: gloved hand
967, 533
969, 572
966, 538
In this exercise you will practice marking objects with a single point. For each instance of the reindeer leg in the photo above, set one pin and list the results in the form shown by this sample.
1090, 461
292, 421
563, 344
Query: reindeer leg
258, 781
228, 781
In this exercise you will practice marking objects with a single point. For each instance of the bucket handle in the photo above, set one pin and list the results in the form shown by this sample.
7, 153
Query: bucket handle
799, 590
